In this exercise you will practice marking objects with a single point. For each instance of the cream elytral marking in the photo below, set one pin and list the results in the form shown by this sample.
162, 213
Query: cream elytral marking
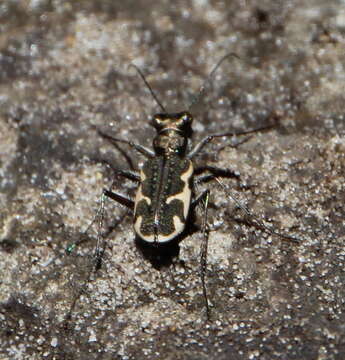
139, 195
178, 225
137, 226
186, 193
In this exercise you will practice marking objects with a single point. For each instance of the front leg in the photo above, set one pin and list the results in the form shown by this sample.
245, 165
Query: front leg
141, 149
200, 145
127, 174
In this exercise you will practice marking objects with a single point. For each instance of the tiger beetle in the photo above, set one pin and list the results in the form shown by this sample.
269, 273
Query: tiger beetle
166, 193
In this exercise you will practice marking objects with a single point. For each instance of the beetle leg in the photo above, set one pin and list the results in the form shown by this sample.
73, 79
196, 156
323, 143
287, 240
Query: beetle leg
215, 172
121, 199
97, 257
128, 174
200, 145
256, 222
142, 149
204, 197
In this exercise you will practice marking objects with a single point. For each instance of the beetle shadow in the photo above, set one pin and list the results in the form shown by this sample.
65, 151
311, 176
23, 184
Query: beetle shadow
159, 255
163, 254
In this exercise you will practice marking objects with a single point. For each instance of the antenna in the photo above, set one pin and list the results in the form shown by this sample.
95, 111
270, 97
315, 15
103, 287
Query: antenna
201, 91
148, 86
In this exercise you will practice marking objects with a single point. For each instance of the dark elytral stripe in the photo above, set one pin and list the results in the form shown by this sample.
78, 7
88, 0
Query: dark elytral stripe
159, 196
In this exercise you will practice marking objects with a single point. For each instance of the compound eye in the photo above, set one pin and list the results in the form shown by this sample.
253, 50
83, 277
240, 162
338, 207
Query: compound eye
187, 118
158, 121
184, 120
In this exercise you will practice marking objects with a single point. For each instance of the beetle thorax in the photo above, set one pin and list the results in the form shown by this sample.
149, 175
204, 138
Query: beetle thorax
169, 142
173, 131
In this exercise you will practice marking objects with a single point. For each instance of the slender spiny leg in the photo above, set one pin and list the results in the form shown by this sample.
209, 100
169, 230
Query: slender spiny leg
203, 179
204, 197
121, 199
97, 257
125, 155
203, 254
99, 250
92, 266
257, 221
217, 172
141, 149
101, 243
233, 145
82, 289
198, 199
128, 174
200, 145
71, 247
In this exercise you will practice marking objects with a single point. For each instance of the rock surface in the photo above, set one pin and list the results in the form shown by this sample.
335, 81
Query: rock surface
64, 73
